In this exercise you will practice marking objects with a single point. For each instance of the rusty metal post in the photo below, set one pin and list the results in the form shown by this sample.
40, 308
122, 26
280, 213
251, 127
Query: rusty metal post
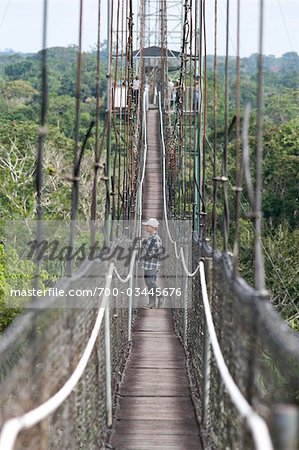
185, 306
207, 352
285, 427
130, 295
108, 366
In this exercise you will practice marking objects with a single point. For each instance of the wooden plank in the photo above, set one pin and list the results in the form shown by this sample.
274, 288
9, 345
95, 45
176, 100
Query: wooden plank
153, 326
162, 335
148, 389
156, 442
152, 363
155, 408
161, 427
155, 382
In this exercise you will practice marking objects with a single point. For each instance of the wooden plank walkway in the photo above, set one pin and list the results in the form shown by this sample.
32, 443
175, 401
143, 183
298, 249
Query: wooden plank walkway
155, 410
153, 188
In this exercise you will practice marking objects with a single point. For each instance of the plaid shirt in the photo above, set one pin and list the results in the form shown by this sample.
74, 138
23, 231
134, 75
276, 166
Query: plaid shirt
151, 253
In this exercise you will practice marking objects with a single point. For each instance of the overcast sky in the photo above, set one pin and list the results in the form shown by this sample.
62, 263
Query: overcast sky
21, 22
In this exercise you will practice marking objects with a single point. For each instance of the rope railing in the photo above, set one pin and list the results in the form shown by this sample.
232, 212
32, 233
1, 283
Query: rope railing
14, 426
164, 177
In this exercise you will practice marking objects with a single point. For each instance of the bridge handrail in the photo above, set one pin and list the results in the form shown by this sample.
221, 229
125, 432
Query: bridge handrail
164, 178
256, 423
13, 427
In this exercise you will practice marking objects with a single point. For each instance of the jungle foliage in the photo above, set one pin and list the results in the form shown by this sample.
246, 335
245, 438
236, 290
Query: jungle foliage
19, 117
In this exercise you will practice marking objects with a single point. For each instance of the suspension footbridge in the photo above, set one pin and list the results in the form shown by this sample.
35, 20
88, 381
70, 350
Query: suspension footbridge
215, 366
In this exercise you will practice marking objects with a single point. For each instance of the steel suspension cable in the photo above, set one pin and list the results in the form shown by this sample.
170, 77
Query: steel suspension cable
126, 118
131, 132
110, 15
215, 115
123, 98
75, 178
121, 159
42, 132
198, 141
196, 121
259, 257
226, 144
97, 151
179, 115
115, 186
191, 107
239, 175
205, 81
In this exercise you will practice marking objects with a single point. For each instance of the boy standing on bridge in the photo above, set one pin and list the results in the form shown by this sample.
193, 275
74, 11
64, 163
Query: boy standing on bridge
151, 262
136, 87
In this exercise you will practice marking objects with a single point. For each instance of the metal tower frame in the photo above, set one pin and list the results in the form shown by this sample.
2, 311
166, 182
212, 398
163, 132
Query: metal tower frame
153, 35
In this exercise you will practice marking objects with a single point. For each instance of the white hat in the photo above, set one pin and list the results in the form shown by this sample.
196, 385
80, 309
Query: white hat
152, 223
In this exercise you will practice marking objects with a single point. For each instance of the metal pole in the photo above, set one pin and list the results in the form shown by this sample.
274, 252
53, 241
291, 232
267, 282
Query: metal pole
108, 112
185, 312
109, 44
285, 427
198, 147
130, 308
207, 354
108, 366
259, 268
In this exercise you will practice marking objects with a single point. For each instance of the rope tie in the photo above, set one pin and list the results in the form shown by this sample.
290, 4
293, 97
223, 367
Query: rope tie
222, 179
71, 178
43, 130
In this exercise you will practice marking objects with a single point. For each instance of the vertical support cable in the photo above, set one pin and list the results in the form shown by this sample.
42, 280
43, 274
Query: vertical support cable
191, 108
123, 98
131, 124
195, 127
142, 69
215, 181
259, 257
204, 138
108, 365
126, 117
41, 142
162, 56
97, 155
115, 186
198, 147
185, 306
130, 308
238, 187
165, 46
225, 151
108, 114
207, 354
39, 206
180, 114
75, 179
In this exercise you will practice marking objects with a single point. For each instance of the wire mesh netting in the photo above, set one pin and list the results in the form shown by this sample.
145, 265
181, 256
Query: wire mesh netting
260, 350
42, 349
